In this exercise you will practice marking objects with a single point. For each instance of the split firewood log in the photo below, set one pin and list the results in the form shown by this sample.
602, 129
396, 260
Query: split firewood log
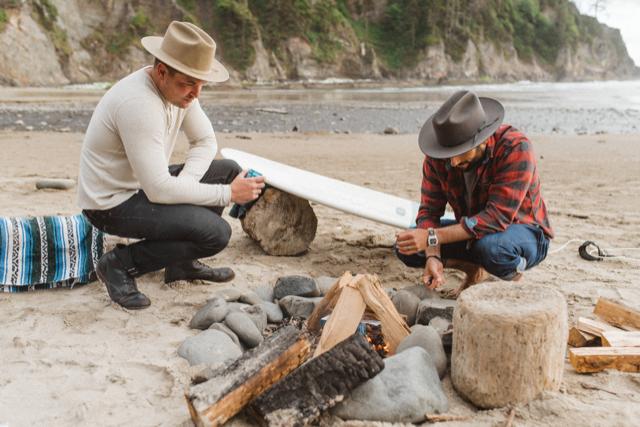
232, 387
301, 397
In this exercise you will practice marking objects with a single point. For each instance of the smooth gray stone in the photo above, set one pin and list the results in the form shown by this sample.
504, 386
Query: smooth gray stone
391, 292
407, 388
427, 338
229, 294
243, 326
274, 312
258, 316
441, 325
422, 292
445, 329
213, 311
295, 285
325, 283
407, 304
265, 292
211, 347
237, 306
430, 308
295, 306
250, 297
224, 328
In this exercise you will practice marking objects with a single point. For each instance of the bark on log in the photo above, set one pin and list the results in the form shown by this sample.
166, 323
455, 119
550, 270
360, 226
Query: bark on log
231, 388
509, 343
301, 397
282, 224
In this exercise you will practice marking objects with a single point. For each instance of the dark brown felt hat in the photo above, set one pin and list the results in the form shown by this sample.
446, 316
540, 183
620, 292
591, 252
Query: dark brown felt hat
462, 123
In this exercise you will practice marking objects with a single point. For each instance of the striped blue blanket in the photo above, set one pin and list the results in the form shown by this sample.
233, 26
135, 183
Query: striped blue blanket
47, 252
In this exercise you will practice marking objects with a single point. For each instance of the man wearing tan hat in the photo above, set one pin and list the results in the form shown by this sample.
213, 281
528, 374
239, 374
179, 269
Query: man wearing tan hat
126, 186
486, 171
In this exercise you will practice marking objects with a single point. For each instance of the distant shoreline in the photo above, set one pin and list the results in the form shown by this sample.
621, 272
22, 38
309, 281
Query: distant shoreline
569, 108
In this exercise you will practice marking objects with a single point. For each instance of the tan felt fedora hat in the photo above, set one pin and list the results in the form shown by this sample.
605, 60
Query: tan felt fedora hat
189, 50
462, 123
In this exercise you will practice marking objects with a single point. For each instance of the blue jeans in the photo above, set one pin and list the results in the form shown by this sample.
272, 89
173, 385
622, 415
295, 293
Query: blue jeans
505, 254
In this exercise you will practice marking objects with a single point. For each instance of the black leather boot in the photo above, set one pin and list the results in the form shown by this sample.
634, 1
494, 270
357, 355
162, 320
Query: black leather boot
120, 284
195, 270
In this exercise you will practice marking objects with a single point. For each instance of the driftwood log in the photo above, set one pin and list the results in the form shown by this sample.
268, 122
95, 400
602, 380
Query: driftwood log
509, 342
301, 397
282, 224
231, 388
55, 184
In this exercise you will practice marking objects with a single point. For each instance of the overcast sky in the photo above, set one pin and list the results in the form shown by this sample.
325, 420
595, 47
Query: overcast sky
621, 14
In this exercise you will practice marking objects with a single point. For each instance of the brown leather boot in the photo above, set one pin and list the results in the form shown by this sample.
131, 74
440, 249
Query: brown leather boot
196, 270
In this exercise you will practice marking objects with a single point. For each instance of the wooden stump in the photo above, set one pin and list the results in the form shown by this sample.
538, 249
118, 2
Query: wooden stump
282, 224
509, 343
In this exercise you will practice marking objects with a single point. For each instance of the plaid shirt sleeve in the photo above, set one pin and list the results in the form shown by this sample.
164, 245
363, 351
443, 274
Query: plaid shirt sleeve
432, 199
509, 186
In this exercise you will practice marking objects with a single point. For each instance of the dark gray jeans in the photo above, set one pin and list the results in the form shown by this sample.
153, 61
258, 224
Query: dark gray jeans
170, 233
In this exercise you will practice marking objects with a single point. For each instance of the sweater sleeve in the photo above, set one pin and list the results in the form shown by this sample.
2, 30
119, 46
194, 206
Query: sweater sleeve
141, 124
202, 142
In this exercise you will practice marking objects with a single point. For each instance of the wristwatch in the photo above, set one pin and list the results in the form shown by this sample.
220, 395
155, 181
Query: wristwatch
432, 238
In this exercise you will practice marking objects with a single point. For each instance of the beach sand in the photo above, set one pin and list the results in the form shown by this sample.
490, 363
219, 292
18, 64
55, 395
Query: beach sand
71, 357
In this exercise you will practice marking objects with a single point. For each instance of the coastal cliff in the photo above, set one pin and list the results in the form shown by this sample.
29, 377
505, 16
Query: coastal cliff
57, 42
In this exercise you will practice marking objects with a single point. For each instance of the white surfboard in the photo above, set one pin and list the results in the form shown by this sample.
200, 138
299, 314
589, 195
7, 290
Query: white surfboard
336, 194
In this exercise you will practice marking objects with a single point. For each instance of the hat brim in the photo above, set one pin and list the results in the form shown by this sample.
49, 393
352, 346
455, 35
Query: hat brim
218, 73
428, 140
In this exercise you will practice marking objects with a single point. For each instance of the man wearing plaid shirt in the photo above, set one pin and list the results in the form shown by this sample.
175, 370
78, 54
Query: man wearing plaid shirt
486, 171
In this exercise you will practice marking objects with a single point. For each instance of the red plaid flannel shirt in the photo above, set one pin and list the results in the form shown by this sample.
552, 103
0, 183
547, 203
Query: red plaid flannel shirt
507, 189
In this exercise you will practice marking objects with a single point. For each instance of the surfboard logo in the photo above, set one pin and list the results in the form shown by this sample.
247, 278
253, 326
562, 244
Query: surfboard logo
400, 211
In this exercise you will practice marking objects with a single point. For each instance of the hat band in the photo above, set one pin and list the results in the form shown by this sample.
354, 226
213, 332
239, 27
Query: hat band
484, 126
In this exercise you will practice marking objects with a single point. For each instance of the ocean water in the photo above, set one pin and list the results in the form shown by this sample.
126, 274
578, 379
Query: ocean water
357, 106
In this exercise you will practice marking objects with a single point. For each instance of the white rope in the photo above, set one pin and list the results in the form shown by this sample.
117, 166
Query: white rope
565, 245
606, 250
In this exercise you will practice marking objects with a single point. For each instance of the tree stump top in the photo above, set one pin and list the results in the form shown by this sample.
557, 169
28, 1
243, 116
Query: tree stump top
511, 299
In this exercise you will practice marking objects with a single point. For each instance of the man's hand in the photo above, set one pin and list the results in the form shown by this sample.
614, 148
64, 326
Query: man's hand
433, 273
244, 190
413, 241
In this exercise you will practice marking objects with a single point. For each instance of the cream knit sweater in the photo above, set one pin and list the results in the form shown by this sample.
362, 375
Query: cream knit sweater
129, 141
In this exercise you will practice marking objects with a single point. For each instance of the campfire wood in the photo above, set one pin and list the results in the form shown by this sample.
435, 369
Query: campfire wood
301, 397
353, 295
328, 303
230, 388
618, 314
578, 338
